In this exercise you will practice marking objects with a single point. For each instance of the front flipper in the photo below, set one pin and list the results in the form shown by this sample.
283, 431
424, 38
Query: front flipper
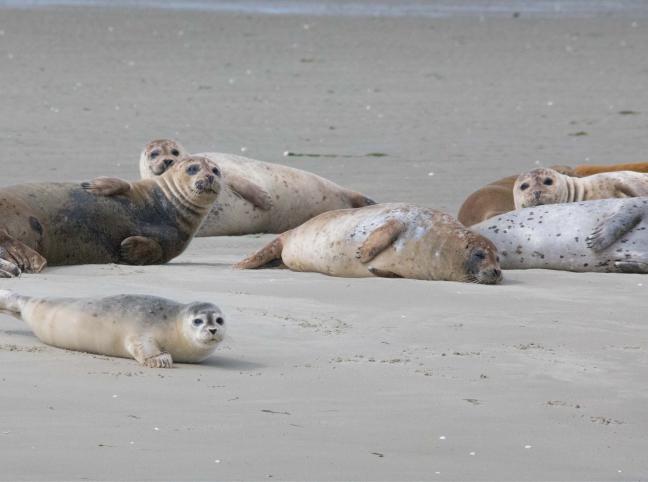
611, 228
147, 352
21, 256
269, 253
107, 186
383, 274
379, 239
140, 250
250, 191
631, 267
8, 269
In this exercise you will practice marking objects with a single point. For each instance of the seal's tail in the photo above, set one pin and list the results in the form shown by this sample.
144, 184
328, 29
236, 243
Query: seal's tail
11, 303
360, 200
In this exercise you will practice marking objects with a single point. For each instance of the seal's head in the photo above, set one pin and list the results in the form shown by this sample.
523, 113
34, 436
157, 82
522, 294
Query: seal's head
537, 187
481, 261
203, 324
195, 179
159, 155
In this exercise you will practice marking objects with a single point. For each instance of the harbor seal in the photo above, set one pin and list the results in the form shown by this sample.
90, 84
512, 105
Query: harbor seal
107, 220
262, 197
493, 199
154, 331
387, 240
547, 186
608, 235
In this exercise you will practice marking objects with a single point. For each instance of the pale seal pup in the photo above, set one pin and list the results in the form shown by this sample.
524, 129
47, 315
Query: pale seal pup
154, 331
387, 240
547, 186
608, 235
262, 197
107, 220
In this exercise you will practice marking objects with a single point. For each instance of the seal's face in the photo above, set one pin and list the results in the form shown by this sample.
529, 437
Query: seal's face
204, 324
198, 178
482, 262
159, 155
537, 187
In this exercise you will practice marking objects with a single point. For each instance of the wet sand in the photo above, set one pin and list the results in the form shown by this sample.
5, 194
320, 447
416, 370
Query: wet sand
541, 378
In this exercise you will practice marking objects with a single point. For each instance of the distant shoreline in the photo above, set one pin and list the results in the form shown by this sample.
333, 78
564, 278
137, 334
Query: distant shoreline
369, 8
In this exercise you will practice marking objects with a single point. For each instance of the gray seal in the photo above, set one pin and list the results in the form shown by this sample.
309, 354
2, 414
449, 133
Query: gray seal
608, 235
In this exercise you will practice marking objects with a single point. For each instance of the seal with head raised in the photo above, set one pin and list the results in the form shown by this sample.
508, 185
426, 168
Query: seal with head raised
107, 220
387, 240
262, 197
547, 186
608, 235
154, 331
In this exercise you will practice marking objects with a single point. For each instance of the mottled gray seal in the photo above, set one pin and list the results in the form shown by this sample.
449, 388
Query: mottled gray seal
547, 186
154, 331
263, 197
388, 240
608, 235
107, 220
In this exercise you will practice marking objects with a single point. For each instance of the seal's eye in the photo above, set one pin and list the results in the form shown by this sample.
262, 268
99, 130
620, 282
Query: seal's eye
197, 322
220, 321
216, 171
154, 154
175, 152
524, 186
193, 169
548, 181
479, 254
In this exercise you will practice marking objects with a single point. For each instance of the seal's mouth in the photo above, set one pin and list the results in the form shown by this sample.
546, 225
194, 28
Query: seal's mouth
203, 186
158, 168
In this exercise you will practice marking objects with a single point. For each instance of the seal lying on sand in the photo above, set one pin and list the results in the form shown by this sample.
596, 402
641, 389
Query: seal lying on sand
154, 331
107, 220
497, 197
609, 235
547, 186
388, 240
264, 197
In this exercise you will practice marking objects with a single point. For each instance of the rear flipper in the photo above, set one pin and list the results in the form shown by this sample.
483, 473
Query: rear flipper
612, 228
631, 267
379, 239
16, 256
269, 253
383, 274
12, 303
140, 250
358, 200
250, 191
148, 353
107, 186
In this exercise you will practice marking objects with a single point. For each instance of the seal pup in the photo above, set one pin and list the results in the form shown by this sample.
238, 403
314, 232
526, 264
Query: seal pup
154, 331
263, 197
493, 199
547, 186
608, 235
107, 220
387, 240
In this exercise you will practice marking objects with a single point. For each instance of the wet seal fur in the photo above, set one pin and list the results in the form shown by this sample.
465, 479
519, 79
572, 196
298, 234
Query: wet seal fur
154, 331
262, 197
497, 197
608, 235
547, 186
107, 220
387, 240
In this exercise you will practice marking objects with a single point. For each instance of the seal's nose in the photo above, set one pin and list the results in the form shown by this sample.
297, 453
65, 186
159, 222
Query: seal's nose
168, 162
213, 330
209, 178
537, 194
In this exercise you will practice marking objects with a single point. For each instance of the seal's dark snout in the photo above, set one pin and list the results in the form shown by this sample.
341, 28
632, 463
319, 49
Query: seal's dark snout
536, 195
168, 162
213, 331
209, 178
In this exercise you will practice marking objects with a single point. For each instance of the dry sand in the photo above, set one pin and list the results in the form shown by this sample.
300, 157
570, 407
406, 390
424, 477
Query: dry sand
544, 377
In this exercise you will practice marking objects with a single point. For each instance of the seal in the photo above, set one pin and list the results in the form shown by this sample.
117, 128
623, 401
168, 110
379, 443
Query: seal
154, 331
547, 186
386, 240
608, 235
493, 199
107, 220
262, 197
497, 197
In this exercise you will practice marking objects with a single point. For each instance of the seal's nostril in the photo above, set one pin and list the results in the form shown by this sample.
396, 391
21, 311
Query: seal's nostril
168, 162
213, 331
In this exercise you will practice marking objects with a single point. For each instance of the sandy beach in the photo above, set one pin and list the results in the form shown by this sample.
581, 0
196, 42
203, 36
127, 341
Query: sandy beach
320, 378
